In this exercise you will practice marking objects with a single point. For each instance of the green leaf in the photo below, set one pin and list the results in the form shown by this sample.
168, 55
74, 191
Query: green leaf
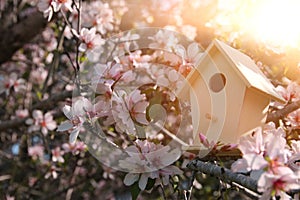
150, 184
135, 190
39, 95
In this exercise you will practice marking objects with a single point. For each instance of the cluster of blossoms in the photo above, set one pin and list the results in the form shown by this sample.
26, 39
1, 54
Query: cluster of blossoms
48, 7
291, 93
267, 154
37, 153
127, 80
11, 81
148, 160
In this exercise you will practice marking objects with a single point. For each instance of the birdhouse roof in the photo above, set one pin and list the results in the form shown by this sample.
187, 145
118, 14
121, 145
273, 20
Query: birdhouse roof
246, 69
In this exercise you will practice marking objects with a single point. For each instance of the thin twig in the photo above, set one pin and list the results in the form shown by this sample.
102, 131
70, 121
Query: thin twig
163, 191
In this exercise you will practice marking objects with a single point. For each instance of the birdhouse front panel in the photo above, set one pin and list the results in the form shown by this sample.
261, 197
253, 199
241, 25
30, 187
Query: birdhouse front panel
218, 94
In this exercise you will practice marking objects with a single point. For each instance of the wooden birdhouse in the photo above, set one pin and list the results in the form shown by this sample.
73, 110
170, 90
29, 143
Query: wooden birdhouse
229, 94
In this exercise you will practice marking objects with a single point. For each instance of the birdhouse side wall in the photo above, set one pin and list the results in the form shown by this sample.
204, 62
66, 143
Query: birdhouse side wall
253, 111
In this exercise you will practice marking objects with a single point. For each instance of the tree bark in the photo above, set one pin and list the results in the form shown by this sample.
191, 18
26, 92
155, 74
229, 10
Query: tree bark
16, 35
279, 114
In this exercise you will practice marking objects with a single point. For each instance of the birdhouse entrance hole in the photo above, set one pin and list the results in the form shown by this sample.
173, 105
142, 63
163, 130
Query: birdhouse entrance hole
217, 82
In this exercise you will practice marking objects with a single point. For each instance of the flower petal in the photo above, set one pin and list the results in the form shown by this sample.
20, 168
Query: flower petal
64, 126
143, 181
130, 179
73, 136
67, 111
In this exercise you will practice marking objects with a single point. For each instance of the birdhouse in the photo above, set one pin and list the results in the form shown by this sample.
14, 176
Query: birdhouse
228, 93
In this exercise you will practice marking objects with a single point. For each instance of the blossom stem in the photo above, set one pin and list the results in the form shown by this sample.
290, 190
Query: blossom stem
158, 125
163, 191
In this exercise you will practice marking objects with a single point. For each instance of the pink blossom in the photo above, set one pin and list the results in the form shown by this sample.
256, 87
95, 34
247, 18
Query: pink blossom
189, 31
57, 154
36, 152
190, 57
291, 92
40, 121
76, 117
130, 109
104, 19
52, 172
163, 40
99, 15
11, 81
170, 79
276, 183
75, 148
262, 150
38, 75
205, 142
5, 84
138, 60
107, 71
48, 7
294, 118
91, 43
22, 113
82, 110
148, 160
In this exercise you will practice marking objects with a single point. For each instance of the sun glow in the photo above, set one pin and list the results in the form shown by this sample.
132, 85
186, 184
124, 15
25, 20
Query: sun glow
276, 22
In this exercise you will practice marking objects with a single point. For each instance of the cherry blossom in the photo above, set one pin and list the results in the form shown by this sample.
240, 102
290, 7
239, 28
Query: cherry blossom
11, 81
170, 79
189, 31
82, 110
107, 73
129, 110
91, 43
294, 118
148, 160
22, 113
57, 155
41, 122
76, 117
52, 172
38, 75
48, 7
275, 184
99, 15
163, 40
190, 57
75, 148
36, 152
291, 92
205, 142
261, 150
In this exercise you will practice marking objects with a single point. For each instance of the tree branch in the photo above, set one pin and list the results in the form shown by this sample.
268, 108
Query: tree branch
224, 174
15, 36
279, 114
228, 176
